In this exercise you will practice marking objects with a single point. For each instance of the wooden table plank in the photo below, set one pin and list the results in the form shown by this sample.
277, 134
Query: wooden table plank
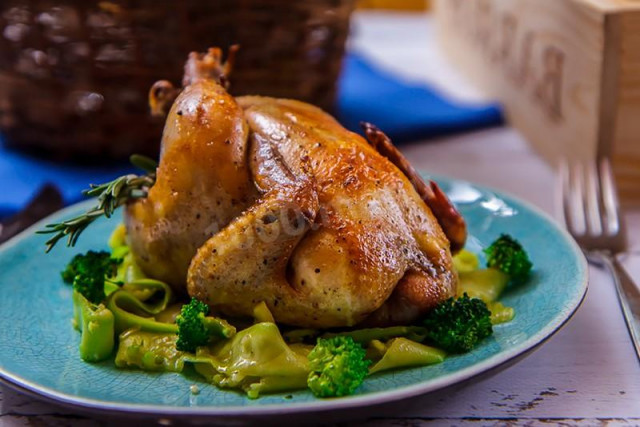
589, 368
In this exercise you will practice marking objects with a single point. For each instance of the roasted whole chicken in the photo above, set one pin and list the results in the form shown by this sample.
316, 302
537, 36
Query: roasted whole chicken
270, 200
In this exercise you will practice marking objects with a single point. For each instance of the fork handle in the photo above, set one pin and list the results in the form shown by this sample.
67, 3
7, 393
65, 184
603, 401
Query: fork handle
628, 295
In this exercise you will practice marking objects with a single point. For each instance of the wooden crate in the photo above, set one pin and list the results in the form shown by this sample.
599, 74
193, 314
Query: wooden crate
394, 4
567, 72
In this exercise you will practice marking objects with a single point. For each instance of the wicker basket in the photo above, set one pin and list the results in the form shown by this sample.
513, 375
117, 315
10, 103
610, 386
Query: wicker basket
74, 74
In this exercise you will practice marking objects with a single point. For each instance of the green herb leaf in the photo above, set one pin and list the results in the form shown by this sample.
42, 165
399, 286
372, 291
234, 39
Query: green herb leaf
111, 195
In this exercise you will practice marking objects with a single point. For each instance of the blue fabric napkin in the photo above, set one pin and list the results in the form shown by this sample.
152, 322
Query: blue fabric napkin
404, 112
21, 176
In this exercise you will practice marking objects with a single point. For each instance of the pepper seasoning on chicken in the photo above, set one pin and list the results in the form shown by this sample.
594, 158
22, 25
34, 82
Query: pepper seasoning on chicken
203, 179
325, 228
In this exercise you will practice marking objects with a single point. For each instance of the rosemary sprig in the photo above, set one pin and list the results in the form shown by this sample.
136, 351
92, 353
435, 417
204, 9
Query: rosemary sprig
110, 196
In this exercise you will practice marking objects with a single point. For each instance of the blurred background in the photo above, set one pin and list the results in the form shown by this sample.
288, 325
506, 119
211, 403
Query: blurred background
75, 76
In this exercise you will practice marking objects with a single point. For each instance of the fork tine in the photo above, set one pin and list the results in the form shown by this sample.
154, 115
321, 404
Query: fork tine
570, 211
609, 197
562, 186
575, 195
566, 211
580, 196
592, 200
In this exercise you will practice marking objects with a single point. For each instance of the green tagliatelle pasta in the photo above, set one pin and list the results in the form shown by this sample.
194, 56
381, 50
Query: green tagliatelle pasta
486, 284
139, 314
403, 352
136, 303
256, 360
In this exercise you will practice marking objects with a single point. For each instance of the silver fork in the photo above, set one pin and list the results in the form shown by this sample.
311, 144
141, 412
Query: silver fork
591, 212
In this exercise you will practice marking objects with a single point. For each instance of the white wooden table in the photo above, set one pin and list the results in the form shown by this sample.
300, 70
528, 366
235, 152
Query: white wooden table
587, 374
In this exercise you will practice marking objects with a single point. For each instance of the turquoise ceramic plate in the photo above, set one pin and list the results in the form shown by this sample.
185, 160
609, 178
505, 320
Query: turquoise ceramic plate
38, 347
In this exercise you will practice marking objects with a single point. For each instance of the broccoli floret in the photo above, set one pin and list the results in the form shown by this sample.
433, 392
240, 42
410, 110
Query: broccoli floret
88, 263
70, 271
91, 287
457, 325
191, 330
338, 367
196, 329
507, 255
87, 273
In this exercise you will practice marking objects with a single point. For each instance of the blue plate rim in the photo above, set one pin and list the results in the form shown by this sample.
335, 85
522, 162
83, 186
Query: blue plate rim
358, 401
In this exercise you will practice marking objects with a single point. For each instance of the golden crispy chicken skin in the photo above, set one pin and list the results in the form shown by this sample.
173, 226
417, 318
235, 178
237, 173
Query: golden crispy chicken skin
312, 219
203, 181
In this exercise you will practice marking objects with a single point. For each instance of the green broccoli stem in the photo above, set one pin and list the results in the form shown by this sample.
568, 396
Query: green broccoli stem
96, 324
218, 329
